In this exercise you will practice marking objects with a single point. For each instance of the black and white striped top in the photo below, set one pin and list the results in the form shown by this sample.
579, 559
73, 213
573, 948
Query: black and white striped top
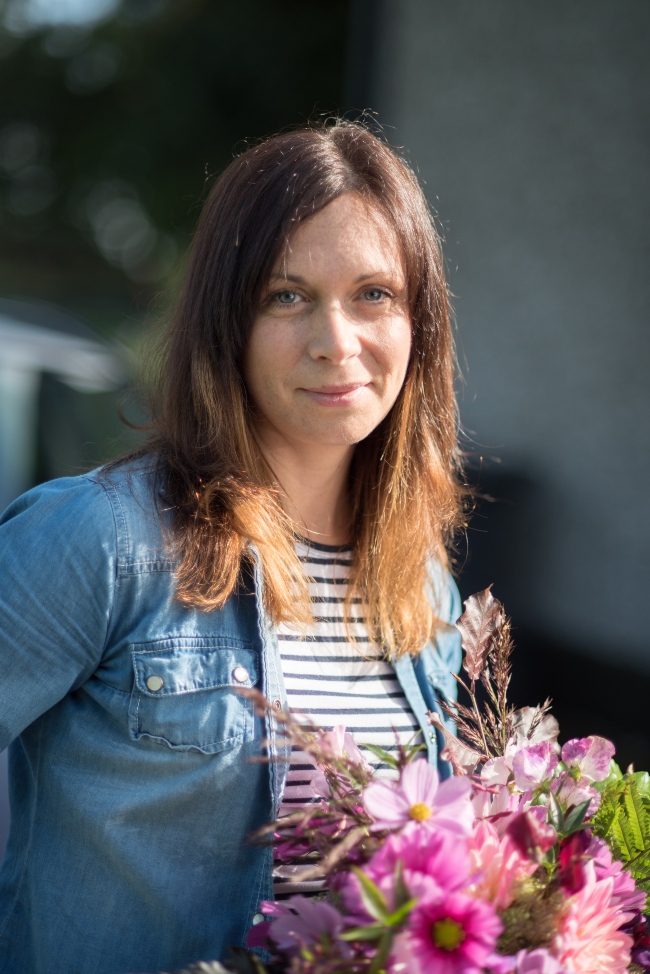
334, 681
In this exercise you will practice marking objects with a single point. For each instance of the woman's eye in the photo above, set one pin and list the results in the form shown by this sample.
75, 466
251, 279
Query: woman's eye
374, 294
286, 297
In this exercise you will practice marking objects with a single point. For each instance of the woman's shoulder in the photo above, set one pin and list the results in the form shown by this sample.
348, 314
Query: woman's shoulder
116, 506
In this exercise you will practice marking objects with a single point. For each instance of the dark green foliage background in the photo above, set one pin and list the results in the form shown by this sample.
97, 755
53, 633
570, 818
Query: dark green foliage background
197, 78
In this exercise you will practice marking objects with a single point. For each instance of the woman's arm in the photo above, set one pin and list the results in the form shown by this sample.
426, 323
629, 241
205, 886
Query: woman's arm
57, 582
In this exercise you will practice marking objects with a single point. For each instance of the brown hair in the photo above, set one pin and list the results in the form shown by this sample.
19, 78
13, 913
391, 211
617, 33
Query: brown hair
404, 490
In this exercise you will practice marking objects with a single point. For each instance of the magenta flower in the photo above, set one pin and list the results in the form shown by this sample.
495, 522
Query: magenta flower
298, 922
456, 934
432, 863
625, 894
590, 756
534, 765
419, 796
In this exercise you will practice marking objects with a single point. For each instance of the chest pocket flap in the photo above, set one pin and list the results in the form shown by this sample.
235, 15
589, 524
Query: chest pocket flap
185, 692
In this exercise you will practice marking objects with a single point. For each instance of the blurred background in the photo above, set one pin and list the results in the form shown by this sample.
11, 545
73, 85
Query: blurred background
527, 124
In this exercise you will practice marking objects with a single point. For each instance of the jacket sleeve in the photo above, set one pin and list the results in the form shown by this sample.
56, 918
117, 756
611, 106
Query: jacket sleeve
57, 582
446, 656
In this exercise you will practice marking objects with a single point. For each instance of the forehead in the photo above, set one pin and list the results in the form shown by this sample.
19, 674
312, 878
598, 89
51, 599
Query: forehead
349, 232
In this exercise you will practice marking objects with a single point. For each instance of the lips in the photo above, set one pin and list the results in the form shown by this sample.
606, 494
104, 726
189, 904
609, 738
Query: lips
336, 395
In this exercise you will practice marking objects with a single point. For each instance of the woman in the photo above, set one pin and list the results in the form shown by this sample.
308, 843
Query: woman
284, 528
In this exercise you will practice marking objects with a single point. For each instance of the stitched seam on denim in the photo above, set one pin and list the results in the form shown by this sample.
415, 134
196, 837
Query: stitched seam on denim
229, 642
121, 563
31, 834
225, 741
117, 559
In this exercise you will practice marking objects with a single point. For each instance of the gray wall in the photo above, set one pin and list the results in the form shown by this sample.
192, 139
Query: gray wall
528, 122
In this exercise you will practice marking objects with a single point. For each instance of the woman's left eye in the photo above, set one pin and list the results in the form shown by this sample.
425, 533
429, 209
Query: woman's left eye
375, 294
286, 297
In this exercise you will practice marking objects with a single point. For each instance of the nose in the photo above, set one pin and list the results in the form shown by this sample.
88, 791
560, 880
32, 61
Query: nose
333, 336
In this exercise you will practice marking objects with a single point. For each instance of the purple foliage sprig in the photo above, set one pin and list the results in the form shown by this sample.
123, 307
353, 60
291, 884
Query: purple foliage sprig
333, 832
484, 730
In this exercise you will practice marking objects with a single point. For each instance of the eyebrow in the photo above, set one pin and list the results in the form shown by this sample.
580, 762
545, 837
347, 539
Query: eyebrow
297, 279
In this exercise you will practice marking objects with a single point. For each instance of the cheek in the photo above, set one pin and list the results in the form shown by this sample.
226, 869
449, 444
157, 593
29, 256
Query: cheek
396, 349
267, 359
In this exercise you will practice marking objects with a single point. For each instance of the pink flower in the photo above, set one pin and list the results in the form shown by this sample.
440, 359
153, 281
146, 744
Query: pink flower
590, 755
572, 793
340, 744
498, 808
497, 771
537, 961
432, 863
499, 865
533, 765
590, 940
452, 935
298, 921
419, 797
625, 894
547, 729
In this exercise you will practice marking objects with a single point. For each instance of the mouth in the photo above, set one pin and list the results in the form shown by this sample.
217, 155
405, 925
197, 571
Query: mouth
336, 395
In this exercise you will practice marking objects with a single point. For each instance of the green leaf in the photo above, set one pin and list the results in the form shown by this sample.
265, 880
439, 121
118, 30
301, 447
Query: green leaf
373, 932
401, 893
383, 755
381, 957
372, 897
635, 814
400, 914
555, 814
575, 818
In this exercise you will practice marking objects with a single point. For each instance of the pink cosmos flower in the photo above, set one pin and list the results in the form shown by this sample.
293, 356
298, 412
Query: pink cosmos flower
590, 940
625, 894
590, 755
499, 865
298, 921
533, 765
419, 796
455, 934
432, 863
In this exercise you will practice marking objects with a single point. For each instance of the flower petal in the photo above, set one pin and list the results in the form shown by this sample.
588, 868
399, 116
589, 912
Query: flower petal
419, 782
386, 803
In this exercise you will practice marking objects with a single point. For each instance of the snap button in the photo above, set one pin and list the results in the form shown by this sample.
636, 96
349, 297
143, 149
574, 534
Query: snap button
258, 918
155, 683
277, 705
240, 673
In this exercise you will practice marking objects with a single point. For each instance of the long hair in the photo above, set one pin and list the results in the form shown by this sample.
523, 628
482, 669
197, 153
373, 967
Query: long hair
404, 487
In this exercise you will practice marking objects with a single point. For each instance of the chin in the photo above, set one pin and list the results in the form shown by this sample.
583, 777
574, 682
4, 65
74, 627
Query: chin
340, 434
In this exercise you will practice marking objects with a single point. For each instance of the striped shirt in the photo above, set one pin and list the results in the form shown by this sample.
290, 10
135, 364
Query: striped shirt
331, 680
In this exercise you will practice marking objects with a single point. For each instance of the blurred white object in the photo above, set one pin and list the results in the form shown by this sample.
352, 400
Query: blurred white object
36, 339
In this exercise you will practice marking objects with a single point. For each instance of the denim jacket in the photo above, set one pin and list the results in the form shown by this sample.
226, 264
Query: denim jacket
133, 784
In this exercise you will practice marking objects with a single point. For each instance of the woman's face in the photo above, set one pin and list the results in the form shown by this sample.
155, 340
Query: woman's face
330, 344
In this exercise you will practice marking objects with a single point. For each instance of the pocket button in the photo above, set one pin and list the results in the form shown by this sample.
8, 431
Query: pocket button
155, 683
240, 674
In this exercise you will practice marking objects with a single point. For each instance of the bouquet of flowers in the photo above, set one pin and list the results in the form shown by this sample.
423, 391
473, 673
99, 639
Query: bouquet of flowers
531, 858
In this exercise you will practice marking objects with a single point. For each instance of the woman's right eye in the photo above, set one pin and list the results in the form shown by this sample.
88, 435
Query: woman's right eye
286, 297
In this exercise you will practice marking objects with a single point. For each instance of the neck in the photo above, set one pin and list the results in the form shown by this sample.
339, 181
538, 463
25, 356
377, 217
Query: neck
313, 484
